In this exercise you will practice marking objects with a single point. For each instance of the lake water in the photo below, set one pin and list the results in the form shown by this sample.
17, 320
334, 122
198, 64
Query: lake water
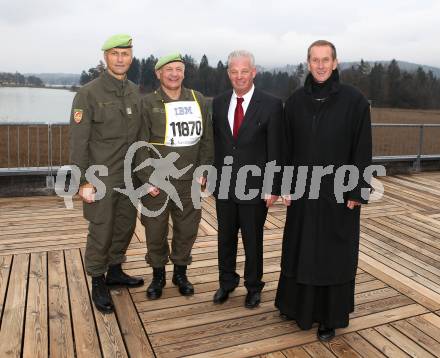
23, 104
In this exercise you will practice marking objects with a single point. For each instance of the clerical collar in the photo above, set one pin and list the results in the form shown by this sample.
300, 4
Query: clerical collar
333, 81
321, 90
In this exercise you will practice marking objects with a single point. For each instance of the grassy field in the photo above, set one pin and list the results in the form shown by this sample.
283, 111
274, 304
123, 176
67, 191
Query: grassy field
395, 115
405, 141
386, 141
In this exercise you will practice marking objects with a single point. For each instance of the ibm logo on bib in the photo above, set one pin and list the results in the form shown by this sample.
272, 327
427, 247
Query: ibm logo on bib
182, 111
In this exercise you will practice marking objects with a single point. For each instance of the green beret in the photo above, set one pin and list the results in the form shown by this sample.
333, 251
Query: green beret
119, 41
174, 57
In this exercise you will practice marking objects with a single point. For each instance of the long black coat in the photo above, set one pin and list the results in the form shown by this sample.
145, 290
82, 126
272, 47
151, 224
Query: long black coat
321, 236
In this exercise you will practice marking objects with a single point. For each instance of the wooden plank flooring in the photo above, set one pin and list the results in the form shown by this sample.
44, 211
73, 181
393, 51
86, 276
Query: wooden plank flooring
46, 308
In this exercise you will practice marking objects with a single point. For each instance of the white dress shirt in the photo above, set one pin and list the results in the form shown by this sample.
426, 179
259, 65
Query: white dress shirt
246, 99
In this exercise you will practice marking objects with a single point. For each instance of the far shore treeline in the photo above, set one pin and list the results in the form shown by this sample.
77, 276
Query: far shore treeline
385, 85
19, 80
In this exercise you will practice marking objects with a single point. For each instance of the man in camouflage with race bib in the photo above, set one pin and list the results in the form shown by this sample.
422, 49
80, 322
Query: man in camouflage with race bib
175, 121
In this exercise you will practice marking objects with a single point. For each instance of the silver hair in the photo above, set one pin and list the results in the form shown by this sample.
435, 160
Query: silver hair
241, 53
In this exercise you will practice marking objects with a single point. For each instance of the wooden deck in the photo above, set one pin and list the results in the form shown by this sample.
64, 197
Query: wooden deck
45, 306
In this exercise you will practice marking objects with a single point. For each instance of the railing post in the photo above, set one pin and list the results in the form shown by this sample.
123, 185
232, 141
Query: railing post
38, 146
60, 127
417, 163
18, 146
28, 148
50, 183
9, 149
48, 146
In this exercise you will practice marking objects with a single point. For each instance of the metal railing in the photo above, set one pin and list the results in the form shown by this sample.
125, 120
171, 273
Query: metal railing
407, 144
31, 148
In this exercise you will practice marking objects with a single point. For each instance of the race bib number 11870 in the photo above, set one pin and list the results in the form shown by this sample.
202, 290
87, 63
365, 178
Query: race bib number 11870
183, 123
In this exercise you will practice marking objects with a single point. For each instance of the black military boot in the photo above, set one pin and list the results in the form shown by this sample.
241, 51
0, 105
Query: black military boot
181, 281
101, 295
154, 291
117, 277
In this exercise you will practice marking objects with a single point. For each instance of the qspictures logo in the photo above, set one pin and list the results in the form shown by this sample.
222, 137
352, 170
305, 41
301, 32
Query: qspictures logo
305, 180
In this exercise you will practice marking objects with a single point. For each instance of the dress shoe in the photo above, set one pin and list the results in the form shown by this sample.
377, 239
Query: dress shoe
154, 291
252, 299
117, 277
101, 295
221, 295
324, 333
180, 280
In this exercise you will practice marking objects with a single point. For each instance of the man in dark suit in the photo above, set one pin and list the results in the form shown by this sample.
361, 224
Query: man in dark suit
247, 136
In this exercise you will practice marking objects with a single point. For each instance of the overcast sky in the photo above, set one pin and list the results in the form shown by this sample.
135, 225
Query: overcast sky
66, 36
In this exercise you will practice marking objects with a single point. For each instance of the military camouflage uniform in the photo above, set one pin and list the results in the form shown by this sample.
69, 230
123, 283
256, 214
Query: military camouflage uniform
105, 121
186, 222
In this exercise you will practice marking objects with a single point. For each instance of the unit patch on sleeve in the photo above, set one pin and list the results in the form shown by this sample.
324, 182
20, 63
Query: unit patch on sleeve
77, 115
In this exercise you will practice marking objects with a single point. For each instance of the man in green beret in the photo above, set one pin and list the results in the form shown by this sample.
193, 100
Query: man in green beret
105, 121
175, 121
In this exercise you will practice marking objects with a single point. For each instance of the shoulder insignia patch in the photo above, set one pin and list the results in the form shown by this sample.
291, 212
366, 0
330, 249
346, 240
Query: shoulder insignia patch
77, 115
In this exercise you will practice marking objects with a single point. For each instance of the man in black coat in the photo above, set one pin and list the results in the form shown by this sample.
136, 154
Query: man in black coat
247, 136
328, 130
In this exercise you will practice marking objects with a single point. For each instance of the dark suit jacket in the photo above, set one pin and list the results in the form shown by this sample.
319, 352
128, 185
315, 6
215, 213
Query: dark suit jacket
259, 141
